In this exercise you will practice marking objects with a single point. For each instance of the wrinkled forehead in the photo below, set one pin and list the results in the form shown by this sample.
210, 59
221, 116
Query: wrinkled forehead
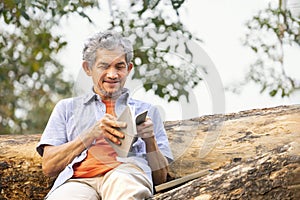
110, 56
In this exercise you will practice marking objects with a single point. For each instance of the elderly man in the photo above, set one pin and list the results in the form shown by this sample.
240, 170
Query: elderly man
75, 144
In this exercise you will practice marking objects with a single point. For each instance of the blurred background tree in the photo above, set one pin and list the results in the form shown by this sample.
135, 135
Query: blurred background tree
32, 77
269, 34
162, 57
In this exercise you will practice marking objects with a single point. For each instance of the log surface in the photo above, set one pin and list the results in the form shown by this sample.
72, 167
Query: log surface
252, 154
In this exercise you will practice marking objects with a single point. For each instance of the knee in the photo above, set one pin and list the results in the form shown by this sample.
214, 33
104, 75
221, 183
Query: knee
127, 185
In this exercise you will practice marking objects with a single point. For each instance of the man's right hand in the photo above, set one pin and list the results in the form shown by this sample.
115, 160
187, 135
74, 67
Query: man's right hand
108, 127
56, 158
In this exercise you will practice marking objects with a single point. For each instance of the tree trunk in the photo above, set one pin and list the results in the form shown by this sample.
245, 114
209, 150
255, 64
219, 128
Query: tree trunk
252, 154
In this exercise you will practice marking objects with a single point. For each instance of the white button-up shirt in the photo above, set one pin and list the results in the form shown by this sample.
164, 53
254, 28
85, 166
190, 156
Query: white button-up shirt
72, 116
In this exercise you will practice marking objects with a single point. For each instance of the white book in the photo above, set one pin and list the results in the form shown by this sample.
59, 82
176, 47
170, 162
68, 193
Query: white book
130, 132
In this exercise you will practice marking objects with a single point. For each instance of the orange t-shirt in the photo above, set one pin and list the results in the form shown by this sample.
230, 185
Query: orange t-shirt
101, 157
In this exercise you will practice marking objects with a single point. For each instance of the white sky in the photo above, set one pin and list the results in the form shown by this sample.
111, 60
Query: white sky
220, 24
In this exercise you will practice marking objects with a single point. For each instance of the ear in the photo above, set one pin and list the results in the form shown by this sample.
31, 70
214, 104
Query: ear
130, 66
86, 68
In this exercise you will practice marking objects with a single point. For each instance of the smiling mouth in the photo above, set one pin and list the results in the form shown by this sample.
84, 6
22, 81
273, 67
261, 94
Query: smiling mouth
111, 83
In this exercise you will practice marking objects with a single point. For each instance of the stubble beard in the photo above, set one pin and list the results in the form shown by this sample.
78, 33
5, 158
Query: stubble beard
111, 95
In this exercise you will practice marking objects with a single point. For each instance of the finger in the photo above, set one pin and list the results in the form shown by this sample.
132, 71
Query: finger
109, 116
113, 123
115, 132
145, 125
111, 137
146, 135
145, 131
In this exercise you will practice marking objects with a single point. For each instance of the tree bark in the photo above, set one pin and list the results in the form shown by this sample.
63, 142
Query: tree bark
21, 175
252, 154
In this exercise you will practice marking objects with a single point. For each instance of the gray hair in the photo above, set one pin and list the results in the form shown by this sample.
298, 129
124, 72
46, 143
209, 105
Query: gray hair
106, 40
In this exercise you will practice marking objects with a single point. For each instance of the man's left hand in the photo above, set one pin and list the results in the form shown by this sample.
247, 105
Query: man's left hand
145, 129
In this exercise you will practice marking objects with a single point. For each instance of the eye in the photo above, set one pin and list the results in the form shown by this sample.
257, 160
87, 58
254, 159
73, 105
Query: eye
103, 66
121, 66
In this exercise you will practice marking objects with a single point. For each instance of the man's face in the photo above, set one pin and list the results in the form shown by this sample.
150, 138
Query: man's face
109, 72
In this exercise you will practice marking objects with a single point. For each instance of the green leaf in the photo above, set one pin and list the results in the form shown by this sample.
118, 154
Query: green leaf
148, 86
24, 14
85, 16
273, 93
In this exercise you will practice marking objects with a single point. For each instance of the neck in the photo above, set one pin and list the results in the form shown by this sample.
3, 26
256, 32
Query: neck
108, 96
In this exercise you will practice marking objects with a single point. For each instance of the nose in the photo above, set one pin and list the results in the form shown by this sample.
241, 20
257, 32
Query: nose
112, 73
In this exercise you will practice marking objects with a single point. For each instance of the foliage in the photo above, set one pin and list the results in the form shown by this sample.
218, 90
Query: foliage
269, 33
32, 79
30, 75
160, 39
